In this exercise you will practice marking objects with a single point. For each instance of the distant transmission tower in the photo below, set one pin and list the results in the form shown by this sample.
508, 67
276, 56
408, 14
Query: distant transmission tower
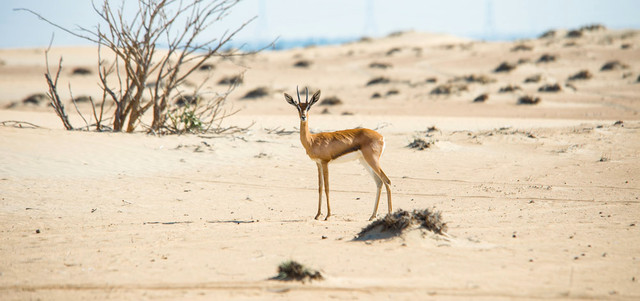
370, 28
489, 29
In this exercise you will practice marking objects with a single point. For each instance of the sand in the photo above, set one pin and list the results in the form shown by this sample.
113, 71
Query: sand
541, 201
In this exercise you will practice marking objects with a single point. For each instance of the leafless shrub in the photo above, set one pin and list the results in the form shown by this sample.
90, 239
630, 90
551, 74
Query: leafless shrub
448, 89
257, 93
331, 101
533, 78
581, 75
380, 65
528, 100
133, 38
505, 67
481, 98
613, 65
550, 88
547, 58
292, 270
395, 223
509, 88
419, 144
378, 80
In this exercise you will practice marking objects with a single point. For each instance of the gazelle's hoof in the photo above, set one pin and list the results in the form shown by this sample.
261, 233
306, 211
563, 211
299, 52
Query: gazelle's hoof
317, 215
372, 217
326, 218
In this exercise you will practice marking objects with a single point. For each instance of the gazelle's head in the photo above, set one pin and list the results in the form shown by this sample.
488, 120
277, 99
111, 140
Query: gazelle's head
303, 107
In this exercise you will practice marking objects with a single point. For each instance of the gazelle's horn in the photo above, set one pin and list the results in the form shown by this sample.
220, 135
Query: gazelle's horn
307, 100
297, 91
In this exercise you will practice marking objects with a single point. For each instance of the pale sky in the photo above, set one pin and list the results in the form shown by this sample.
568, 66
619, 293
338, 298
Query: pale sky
298, 19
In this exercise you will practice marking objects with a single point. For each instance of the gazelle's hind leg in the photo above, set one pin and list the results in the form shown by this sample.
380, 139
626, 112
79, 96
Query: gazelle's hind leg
372, 163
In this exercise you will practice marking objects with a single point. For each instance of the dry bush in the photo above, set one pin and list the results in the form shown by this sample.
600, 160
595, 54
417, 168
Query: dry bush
145, 77
505, 67
331, 101
481, 98
521, 47
550, 88
206, 67
378, 80
80, 71
536, 78
393, 92
574, 34
548, 34
419, 144
231, 80
292, 270
448, 89
380, 65
376, 95
581, 75
395, 223
302, 64
392, 51
256, 93
547, 58
528, 100
431, 80
593, 27
613, 65
35, 99
473, 78
509, 88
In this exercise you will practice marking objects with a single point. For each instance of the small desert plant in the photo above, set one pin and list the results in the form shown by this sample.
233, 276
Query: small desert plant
395, 223
380, 65
574, 34
256, 93
35, 99
419, 144
431, 80
447, 89
331, 101
593, 27
509, 88
504, 67
80, 71
581, 75
528, 100
231, 80
303, 64
548, 34
613, 65
473, 78
522, 47
292, 270
550, 88
481, 98
547, 58
378, 80
533, 78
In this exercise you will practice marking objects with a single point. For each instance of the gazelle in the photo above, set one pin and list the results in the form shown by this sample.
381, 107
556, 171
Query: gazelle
340, 146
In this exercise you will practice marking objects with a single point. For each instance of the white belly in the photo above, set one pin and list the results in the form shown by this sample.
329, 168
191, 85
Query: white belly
348, 157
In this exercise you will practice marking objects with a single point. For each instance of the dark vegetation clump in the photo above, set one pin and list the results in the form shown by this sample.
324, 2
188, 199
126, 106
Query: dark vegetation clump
34, 99
547, 58
380, 65
550, 88
331, 101
393, 224
206, 67
528, 100
378, 80
82, 98
419, 144
593, 27
256, 93
473, 78
393, 92
613, 65
521, 47
186, 100
505, 67
80, 71
548, 34
582, 75
448, 89
231, 80
625, 46
523, 61
574, 34
393, 50
292, 270
431, 80
533, 79
509, 88
481, 98
302, 64
376, 95
638, 79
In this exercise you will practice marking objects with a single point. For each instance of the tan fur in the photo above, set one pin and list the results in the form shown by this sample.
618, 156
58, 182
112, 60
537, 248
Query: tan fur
326, 147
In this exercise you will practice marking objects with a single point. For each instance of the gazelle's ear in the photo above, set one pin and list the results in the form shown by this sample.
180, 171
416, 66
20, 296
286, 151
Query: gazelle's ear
314, 98
289, 99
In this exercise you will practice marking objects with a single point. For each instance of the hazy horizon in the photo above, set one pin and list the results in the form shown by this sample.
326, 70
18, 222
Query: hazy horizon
334, 20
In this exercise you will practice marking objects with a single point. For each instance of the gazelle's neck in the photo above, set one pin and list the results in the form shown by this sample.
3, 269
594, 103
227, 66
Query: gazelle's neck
305, 135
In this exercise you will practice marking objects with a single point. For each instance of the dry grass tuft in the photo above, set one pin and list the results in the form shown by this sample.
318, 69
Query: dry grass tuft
292, 270
35, 99
533, 79
548, 34
528, 100
509, 88
231, 80
378, 80
473, 78
550, 88
547, 58
613, 65
80, 71
331, 101
582, 75
481, 98
380, 65
521, 47
448, 89
393, 224
505, 67
419, 144
303, 64
256, 93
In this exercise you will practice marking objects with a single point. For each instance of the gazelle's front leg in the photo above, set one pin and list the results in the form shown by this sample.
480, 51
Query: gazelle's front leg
325, 172
320, 175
